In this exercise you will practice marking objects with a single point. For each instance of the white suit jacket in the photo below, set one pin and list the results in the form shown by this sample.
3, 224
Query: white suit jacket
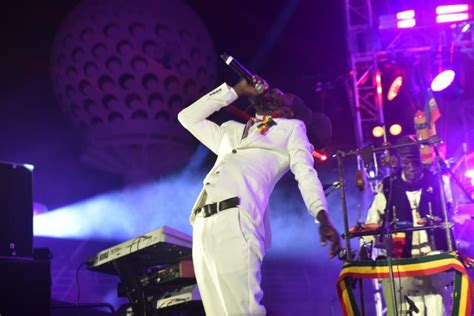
250, 168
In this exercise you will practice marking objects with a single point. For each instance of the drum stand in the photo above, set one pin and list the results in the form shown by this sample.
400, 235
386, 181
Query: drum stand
387, 230
387, 237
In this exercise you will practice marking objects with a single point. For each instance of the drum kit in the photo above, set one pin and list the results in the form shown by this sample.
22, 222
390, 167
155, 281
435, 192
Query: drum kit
390, 235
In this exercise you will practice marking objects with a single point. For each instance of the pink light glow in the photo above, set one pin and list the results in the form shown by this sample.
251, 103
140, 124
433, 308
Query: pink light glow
378, 80
455, 17
405, 24
320, 156
394, 88
455, 8
406, 15
443, 80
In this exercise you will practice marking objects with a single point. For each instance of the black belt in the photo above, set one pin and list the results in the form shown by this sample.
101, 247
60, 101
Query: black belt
211, 209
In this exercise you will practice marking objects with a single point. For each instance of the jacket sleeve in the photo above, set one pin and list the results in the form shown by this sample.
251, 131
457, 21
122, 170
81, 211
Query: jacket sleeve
194, 117
375, 214
301, 164
376, 211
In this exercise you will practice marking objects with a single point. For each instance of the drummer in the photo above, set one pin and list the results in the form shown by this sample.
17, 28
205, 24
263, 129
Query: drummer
411, 195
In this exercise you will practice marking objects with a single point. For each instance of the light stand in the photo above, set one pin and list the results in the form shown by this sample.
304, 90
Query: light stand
447, 229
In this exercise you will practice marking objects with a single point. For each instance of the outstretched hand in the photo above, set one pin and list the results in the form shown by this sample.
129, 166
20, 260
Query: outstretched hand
327, 233
243, 87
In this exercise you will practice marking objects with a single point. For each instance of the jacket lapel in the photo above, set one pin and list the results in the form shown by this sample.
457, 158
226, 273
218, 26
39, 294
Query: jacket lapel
253, 136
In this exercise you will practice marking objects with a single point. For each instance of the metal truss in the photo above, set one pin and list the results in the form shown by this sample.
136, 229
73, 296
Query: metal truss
368, 49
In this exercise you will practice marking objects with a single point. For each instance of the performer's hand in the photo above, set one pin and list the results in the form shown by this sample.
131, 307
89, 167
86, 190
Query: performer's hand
245, 88
328, 232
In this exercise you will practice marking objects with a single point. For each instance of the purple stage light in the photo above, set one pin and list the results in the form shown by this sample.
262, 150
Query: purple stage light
406, 19
453, 13
454, 8
406, 15
443, 80
406, 24
455, 17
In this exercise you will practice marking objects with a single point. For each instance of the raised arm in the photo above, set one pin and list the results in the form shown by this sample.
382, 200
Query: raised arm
194, 117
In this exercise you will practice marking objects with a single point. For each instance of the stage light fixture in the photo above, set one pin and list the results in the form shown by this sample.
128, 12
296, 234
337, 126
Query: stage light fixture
406, 15
371, 174
394, 88
453, 13
455, 17
406, 24
378, 131
453, 8
470, 174
406, 19
395, 129
443, 80
466, 28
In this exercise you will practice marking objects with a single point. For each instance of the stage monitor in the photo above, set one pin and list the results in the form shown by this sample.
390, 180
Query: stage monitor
16, 210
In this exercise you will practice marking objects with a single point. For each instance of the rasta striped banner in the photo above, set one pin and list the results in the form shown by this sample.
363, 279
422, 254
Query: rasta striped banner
428, 265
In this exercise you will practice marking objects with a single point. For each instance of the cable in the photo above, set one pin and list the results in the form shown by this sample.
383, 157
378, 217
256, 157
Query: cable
78, 298
389, 245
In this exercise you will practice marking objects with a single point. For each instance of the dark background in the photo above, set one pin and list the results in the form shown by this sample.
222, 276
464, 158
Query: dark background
307, 48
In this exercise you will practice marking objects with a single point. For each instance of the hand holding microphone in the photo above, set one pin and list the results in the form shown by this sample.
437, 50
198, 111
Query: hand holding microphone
251, 85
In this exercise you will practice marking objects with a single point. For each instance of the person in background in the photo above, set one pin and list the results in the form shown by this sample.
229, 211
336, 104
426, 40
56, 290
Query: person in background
411, 196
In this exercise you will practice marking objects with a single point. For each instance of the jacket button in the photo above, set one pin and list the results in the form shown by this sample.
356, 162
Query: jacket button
207, 183
217, 172
234, 151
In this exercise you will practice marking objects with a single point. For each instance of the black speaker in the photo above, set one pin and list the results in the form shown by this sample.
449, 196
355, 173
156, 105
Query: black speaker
26, 285
16, 210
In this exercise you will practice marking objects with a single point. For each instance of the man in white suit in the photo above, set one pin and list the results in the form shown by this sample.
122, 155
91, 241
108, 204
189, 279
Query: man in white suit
230, 217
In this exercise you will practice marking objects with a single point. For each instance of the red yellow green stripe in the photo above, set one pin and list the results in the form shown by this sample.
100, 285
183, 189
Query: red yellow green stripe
429, 265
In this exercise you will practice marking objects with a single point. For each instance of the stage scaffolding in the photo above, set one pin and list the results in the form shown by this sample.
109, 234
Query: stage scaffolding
369, 47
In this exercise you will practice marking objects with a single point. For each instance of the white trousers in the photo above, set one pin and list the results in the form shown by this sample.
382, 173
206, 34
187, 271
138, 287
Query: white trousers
227, 259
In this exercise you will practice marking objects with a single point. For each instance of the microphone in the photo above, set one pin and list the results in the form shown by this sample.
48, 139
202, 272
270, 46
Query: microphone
335, 185
239, 69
